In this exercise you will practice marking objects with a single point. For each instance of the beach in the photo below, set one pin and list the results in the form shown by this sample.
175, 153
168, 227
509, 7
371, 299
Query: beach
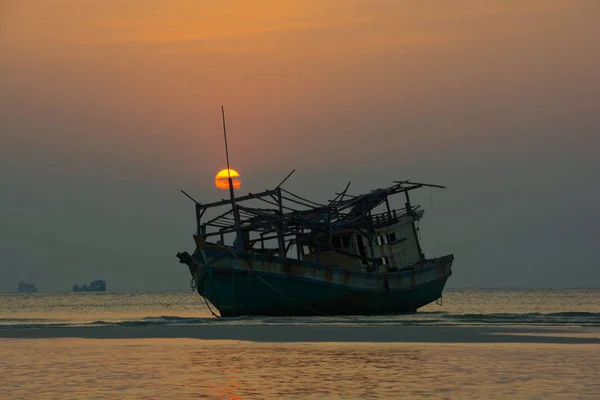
374, 333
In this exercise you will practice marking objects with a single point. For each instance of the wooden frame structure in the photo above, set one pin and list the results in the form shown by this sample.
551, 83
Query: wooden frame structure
294, 220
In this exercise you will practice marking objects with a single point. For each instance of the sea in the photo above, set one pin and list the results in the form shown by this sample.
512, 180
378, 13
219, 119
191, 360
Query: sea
472, 344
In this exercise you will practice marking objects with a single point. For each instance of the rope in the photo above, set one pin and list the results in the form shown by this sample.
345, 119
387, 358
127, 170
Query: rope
210, 309
194, 285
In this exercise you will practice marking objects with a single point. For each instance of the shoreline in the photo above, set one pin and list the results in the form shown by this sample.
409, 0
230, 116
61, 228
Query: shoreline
323, 334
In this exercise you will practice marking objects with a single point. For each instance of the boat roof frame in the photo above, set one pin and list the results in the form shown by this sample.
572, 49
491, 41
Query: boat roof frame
292, 214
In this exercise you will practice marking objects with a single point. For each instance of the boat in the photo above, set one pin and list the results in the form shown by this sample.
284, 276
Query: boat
25, 287
348, 260
95, 286
291, 256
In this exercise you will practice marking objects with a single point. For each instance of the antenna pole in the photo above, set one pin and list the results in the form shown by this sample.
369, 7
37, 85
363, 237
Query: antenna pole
236, 215
225, 135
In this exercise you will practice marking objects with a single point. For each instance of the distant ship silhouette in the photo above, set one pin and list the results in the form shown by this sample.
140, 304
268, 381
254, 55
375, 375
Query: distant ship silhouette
25, 287
95, 286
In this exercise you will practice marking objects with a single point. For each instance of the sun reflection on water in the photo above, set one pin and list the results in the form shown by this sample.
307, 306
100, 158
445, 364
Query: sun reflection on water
155, 368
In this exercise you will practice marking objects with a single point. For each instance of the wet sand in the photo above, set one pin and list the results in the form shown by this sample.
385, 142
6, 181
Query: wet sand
323, 334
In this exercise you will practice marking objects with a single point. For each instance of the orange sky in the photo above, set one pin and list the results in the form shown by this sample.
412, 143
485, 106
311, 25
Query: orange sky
149, 76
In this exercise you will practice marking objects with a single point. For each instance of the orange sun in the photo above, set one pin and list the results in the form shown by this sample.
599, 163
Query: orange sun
221, 180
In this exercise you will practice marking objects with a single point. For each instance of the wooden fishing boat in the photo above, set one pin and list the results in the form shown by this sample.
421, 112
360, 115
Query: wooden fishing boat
290, 256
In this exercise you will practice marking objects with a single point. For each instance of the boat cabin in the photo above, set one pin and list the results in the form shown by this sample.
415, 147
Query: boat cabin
393, 245
343, 233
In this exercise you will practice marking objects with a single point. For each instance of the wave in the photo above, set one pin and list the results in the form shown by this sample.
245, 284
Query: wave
25, 319
573, 318
558, 318
34, 326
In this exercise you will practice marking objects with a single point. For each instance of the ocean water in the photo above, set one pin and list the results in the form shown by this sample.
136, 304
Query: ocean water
479, 344
458, 307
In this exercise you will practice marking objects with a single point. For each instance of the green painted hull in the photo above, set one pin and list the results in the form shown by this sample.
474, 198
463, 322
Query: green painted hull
237, 292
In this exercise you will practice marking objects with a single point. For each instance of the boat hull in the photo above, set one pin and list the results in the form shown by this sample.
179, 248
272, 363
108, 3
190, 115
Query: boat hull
285, 287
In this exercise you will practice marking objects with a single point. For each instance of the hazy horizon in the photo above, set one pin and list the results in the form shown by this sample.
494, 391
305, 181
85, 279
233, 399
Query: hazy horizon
108, 109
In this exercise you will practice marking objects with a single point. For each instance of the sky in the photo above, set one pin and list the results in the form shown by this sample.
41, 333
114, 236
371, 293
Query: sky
109, 108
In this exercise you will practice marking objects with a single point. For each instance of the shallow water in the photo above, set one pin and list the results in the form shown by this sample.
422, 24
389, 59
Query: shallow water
328, 367
459, 307
159, 368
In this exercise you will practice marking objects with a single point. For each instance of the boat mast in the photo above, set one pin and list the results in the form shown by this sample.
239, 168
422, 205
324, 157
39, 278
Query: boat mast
236, 215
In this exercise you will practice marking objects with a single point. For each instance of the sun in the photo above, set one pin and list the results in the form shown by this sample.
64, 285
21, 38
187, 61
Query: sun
221, 180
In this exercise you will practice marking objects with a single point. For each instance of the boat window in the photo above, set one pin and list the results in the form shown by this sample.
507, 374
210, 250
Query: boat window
381, 240
392, 237
308, 249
